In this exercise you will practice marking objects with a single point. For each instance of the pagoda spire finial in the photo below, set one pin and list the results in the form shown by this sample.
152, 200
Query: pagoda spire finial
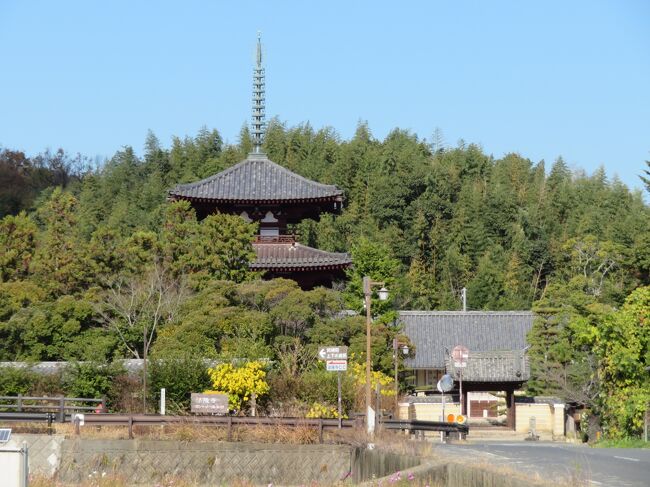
258, 123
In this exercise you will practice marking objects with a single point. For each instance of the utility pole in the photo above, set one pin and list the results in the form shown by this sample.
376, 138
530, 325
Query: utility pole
383, 295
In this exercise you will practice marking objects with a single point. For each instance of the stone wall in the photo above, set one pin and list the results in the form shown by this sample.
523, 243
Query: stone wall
44, 451
455, 475
146, 462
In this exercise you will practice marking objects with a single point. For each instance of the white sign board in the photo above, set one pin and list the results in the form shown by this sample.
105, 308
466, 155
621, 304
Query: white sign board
333, 353
209, 403
337, 365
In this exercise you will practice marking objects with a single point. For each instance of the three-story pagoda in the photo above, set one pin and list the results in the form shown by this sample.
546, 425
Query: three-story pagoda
259, 190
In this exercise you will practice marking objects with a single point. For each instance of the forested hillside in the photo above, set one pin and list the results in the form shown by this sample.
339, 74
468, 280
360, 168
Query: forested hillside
452, 217
84, 253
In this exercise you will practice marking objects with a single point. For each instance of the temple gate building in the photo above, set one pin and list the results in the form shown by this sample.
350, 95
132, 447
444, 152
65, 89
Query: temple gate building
497, 360
261, 191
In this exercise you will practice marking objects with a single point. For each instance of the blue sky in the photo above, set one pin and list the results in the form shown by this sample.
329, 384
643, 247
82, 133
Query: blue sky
540, 78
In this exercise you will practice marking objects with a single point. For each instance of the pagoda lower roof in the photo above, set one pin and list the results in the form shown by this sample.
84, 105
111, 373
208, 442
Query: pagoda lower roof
256, 179
292, 256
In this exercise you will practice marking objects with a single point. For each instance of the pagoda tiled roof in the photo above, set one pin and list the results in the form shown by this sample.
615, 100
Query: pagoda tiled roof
280, 256
257, 179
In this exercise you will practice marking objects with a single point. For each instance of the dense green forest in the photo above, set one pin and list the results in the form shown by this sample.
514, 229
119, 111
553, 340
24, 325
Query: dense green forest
95, 264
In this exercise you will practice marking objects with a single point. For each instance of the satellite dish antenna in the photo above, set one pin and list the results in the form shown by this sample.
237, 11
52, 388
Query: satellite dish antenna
446, 383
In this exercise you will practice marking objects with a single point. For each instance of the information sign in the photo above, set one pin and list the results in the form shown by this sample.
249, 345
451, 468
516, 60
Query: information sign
209, 403
333, 353
337, 365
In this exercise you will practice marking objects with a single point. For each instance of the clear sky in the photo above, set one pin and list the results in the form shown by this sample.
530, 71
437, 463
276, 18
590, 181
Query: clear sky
542, 78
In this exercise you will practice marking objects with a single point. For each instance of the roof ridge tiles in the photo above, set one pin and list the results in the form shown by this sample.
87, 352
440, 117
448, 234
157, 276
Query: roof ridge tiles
296, 255
257, 178
465, 313
319, 251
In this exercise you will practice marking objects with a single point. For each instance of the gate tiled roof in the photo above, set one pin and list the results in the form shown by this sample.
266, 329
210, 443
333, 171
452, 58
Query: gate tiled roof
480, 331
496, 366
257, 179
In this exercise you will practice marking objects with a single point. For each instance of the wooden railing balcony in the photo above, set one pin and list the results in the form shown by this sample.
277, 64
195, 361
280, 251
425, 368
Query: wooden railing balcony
274, 239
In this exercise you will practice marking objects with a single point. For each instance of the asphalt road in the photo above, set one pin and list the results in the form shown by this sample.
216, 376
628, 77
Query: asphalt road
608, 467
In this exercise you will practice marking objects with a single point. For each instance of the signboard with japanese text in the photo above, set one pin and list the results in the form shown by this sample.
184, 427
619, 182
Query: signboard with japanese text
336, 365
333, 353
209, 403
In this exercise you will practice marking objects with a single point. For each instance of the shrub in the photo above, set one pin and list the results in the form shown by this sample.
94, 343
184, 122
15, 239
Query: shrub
179, 376
26, 381
240, 382
93, 380
321, 386
319, 410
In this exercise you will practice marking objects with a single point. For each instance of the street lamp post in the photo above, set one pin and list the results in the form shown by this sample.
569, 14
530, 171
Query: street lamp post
397, 346
383, 295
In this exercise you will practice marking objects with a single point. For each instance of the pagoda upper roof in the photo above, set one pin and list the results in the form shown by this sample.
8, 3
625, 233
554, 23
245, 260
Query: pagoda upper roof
257, 179
274, 254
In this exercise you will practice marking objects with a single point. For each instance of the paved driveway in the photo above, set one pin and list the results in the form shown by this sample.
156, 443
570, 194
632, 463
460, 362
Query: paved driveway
610, 467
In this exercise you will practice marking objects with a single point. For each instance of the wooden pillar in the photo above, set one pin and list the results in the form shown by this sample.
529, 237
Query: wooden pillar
512, 410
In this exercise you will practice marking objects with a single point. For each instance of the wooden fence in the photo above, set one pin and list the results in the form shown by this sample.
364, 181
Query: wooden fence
62, 407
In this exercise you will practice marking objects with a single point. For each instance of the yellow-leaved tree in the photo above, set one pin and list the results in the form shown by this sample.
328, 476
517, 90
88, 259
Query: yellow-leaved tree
239, 382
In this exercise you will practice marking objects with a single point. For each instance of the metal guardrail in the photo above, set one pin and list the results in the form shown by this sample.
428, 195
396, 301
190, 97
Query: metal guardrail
28, 417
63, 407
412, 425
419, 425
225, 421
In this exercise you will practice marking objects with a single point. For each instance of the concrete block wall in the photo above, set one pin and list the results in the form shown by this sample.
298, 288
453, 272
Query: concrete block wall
44, 451
559, 419
549, 418
403, 410
146, 462
431, 411
543, 413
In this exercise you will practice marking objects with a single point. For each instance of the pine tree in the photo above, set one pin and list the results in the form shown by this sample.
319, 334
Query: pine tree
61, 260
17, 246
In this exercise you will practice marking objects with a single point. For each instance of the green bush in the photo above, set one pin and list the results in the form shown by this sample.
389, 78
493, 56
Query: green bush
179, 376
93, 380
320, 386
27, 382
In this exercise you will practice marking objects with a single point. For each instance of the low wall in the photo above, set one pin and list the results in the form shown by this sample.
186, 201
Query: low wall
549, 417
543, 414
44, 451
147, 462
369, 464
454, 475
427, 411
